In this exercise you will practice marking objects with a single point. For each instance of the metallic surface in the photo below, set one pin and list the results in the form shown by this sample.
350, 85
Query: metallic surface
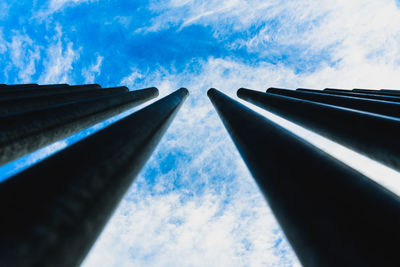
331, 214
31, 102
370, 105
25, 132
354, 94
53, 212
37, 91
370, 134
363, 91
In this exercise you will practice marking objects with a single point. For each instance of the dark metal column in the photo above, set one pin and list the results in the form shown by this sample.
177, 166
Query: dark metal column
46, 91
53, 212
354, 94
331, 214
370, 105
363, 91
370, 134
28, 87
396, 91
31, 102
22, 133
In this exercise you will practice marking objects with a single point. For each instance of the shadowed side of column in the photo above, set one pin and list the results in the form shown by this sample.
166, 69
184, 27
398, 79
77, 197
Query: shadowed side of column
32, 102
354, 94
331, 214
22, 133
370, 105
53, 212
370, 134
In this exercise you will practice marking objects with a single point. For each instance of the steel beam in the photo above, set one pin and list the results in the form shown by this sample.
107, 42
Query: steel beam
46, 91
370, 134
331, 214
22, 133
353, 94
370, 105
53, 212
32, 102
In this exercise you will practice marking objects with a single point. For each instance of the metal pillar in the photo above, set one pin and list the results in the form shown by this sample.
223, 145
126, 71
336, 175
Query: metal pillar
7, 86
53, 212
22, 133
370, 134
363, 91
331, 214
353, 94
46, 91
396, 91
32, 102
376, 106
28, 87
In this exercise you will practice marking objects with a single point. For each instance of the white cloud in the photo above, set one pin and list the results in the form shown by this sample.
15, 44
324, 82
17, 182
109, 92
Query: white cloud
93, 71
60, 56
24, 55
57, 5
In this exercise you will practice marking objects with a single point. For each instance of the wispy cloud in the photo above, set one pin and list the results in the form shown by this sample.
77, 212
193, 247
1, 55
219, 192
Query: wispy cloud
24, 55
57, 5
92, 71
60, 56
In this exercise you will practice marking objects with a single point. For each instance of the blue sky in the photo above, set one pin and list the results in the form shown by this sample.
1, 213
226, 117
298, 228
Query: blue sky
195, 204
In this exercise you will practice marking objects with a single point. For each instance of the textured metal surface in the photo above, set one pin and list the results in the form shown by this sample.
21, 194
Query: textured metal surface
53, 212
37, 91
331, 214
31, 102
354, 94
370, 105
372, 135
22, 133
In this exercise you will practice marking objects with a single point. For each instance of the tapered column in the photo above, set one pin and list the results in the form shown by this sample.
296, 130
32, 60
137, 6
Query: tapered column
331, 214
372, 135
363, 91
26, 132
354, 94
53, 212
396, 91
15, 86
46, 91
369, 105
27, 87
27, 103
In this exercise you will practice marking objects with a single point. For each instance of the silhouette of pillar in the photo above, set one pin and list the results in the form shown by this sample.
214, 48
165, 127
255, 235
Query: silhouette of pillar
331, 214
354, 94
27, 103
22, 133
370, 134
46, 91
23, 87
15, 86
369, 105
395, 91
53, 212
363, 91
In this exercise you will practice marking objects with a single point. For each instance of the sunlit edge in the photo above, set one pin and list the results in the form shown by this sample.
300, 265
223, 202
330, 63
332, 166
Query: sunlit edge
16, 166
381, 174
